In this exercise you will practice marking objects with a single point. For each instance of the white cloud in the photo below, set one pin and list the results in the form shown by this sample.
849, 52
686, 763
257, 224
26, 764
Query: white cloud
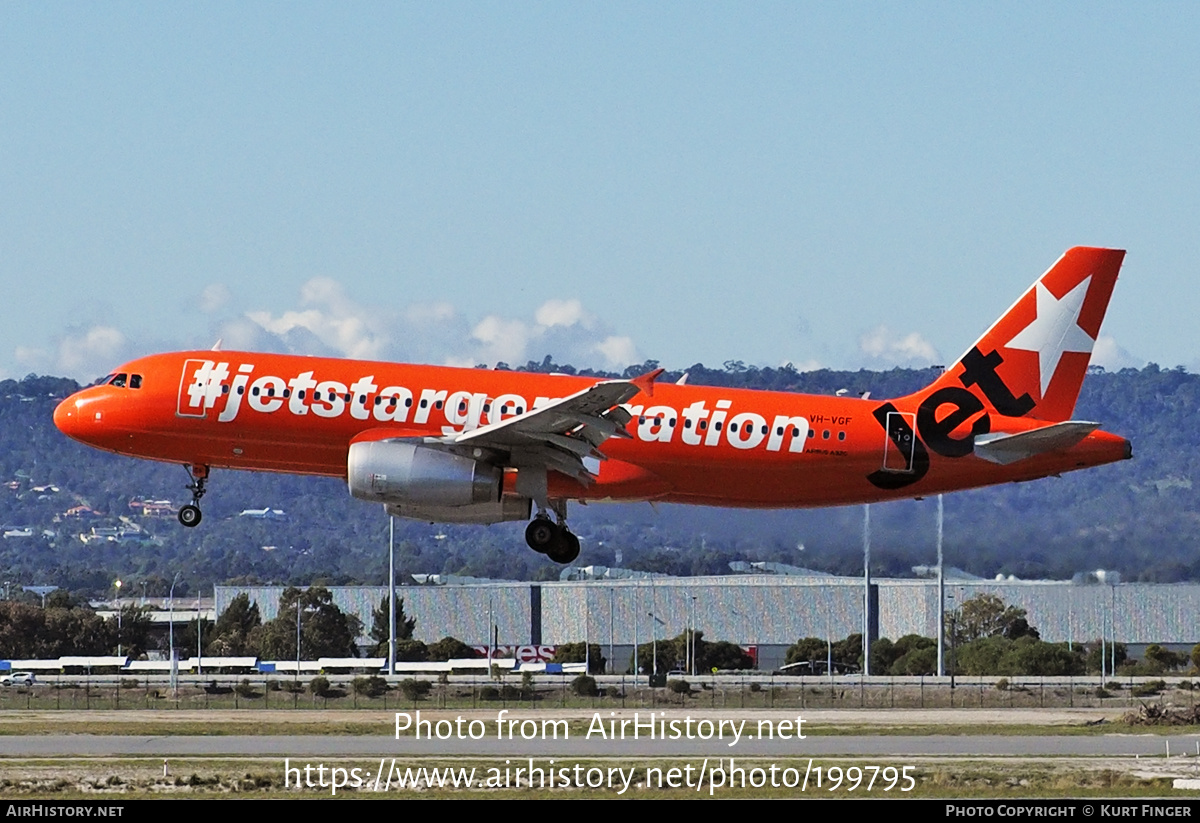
79, 353
560, 313
213, 298
328, 321
883, 348
502, 339
618, 352
1108, 354
329, 317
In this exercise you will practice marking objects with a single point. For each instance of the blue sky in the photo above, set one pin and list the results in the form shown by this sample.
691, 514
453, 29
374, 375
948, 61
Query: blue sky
839, 185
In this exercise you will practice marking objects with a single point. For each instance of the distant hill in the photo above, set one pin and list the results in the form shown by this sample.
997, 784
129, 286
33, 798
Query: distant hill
1140, 517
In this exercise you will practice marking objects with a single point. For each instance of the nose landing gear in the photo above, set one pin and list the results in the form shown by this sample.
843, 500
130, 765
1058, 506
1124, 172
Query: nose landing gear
190, 515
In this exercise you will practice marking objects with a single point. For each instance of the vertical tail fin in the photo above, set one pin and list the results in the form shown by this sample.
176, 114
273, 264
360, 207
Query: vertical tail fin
1032, 361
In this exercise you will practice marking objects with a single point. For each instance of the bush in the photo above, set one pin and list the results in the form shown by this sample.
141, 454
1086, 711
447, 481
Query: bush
680, 687
1002, 684
372, 686
489, 693
1149, 689
414, 689
319, 686
585, 686
244, 689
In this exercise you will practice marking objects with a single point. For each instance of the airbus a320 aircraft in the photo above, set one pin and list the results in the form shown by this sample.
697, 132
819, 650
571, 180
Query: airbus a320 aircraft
477, 446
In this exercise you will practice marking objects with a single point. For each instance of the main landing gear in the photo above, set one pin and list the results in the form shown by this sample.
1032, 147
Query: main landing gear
553, 539
190, 515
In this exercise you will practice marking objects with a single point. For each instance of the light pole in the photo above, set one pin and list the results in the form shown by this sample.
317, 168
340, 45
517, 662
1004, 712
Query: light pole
391, 595
693, 639
199, 637
866, 636
118, 585
297, 679
655, 622
941, 587
612, 628
171, 635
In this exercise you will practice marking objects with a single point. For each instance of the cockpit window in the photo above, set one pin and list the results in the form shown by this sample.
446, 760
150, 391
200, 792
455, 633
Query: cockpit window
135, 381
102, 381
119, 380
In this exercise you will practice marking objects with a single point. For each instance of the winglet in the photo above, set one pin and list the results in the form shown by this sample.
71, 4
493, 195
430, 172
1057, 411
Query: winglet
646, 381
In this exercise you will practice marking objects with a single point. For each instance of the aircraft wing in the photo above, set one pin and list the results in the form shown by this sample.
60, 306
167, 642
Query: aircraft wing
560, 435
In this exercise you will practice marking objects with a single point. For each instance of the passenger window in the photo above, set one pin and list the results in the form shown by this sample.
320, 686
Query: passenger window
841, 435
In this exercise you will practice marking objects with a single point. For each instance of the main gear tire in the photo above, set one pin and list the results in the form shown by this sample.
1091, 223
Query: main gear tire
190, 516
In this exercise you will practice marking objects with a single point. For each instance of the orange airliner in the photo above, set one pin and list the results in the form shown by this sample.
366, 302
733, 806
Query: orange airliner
477, 446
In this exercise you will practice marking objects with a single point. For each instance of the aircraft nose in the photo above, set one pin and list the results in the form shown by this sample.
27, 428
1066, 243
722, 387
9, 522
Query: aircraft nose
66, 417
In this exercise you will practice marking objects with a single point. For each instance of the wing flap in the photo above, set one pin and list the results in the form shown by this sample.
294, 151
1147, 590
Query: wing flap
560, 435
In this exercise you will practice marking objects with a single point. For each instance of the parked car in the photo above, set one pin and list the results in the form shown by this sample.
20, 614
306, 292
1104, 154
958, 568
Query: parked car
17, 679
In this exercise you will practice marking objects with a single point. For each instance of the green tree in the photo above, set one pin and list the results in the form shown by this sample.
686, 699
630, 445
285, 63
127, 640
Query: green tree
724, 656
1163, 660
986, 615
811, 650
574, 653
231, 635
381, 629
1093, 662
450, 648
130, 632
325, 630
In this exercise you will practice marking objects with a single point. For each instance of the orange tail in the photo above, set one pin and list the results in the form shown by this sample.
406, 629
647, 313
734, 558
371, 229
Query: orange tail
1032, 361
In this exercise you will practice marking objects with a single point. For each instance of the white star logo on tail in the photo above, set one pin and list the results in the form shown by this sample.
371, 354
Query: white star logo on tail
1055, 330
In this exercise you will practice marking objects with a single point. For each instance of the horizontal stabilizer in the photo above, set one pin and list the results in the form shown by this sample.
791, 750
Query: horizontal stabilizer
1009, 448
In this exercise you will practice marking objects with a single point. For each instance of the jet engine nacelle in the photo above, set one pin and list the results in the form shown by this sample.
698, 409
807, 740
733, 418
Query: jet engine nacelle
413, 475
